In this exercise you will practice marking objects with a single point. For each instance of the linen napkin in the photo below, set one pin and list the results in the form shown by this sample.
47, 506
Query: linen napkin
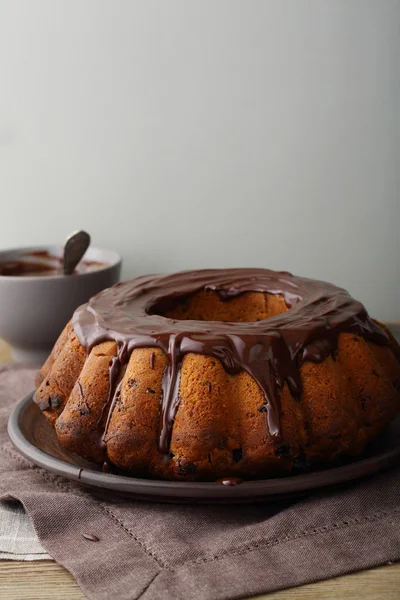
127, 549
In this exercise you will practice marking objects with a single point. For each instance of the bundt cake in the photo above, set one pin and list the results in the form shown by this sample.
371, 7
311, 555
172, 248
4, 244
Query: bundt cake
201, 375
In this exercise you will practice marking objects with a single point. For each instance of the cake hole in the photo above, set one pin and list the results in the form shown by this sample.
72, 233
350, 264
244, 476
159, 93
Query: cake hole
208, 305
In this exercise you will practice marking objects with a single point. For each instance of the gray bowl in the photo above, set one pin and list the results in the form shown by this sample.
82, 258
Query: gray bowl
35, 309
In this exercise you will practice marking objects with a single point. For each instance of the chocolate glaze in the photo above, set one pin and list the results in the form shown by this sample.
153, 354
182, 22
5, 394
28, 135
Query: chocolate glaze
271, 350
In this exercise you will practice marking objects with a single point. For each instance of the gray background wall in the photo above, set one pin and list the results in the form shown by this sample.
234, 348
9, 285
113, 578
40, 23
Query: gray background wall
188, 134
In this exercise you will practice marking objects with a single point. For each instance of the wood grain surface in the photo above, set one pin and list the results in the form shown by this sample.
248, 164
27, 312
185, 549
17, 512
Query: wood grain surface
46, 580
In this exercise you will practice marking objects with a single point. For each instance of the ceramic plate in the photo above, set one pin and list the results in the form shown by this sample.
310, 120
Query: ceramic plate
36, 440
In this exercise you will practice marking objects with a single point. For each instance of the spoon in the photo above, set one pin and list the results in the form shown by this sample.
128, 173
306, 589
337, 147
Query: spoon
75, 247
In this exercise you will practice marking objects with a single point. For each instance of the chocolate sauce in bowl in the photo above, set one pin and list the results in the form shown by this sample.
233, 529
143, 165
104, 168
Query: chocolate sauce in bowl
40, 263
21, 268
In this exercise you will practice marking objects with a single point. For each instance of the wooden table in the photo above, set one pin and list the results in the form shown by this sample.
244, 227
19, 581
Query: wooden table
45, 580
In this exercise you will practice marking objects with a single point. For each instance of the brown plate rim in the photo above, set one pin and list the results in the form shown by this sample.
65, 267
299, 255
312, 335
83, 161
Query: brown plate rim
175, 491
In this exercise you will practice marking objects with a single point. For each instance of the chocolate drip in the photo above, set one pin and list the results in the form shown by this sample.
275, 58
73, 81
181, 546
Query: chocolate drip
170, 398
90, 537
99, 431
116, 396
230, 481
106, 468
271, 350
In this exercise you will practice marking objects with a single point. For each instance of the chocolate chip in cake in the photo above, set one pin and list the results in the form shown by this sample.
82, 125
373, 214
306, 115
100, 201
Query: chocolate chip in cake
237, 455
282, 451
300, 463
185, 466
